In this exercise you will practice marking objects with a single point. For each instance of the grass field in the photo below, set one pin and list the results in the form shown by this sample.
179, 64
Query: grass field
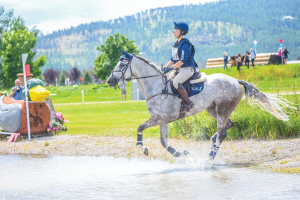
106, 119
111, 118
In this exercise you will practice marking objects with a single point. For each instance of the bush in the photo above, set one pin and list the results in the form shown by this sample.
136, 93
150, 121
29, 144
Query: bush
87, 79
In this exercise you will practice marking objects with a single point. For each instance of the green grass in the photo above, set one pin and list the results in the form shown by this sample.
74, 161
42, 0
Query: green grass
123, 118
92, 93
250, 122
268, 78
107, 119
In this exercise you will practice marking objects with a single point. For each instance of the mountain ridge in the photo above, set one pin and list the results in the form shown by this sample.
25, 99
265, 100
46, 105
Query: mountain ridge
215, 27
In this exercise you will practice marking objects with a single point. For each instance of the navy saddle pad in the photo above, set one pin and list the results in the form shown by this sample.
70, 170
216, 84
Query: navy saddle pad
192, 89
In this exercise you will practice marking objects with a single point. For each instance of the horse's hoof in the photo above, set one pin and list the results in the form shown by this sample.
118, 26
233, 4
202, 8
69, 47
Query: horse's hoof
177, 154
186, 153
146, 152
211, 155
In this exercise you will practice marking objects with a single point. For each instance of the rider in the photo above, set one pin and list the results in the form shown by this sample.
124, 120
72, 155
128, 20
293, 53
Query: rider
182, 60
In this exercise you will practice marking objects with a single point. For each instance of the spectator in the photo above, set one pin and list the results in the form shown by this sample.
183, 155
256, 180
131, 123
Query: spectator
253, 55
279, 52
247, 61
239, 61
285, 55
123, 89
16, 92
225, 60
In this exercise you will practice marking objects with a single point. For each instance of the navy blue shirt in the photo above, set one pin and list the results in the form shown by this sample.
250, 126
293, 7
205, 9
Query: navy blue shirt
225, 59
183, 53
18, 95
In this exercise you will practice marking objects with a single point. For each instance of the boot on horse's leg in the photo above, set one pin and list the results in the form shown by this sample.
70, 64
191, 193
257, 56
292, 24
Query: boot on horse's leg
184, 95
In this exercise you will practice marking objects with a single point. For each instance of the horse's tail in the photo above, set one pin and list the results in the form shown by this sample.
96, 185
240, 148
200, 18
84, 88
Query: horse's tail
273, 105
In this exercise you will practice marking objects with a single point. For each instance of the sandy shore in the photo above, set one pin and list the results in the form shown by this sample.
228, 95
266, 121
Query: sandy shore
276, 155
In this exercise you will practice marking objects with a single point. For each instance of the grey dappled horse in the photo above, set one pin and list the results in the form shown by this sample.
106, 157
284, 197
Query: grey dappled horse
220, 96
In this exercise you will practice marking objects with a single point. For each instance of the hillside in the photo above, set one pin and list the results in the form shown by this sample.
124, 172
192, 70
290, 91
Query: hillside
214, 28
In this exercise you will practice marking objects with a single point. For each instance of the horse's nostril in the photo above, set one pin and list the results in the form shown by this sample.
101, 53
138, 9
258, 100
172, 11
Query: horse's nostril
108, 81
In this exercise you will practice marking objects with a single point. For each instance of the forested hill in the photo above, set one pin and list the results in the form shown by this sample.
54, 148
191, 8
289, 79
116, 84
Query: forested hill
214, 28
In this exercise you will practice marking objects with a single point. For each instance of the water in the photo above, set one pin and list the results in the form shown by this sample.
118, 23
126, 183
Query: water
119, 178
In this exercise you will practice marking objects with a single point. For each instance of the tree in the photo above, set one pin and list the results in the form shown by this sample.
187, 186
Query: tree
18, 40
87, 79
109, 58
62, 78
74, 74
5, 18
50, 75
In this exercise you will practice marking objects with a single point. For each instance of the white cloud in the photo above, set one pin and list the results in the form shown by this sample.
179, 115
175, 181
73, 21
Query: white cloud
50, 15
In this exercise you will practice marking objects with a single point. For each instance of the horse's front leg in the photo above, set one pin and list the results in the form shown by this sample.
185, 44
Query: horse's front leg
153, 121
164, 131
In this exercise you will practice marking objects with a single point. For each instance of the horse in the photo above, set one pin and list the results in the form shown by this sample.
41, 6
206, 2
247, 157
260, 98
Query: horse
220, 97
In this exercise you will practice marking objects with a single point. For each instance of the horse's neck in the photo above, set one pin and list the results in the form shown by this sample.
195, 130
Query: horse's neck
149, 86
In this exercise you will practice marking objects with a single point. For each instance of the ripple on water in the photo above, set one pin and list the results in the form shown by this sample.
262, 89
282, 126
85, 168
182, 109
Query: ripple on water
114, 178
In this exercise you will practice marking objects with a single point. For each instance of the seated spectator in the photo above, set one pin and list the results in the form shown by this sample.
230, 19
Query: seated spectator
16, 92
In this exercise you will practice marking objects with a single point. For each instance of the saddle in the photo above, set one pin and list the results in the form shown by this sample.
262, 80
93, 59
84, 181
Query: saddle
194, 85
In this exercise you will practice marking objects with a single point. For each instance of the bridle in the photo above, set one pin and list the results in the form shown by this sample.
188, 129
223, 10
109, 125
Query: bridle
164, 94
123, 71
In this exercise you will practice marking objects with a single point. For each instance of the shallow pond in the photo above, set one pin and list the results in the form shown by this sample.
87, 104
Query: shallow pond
119, 178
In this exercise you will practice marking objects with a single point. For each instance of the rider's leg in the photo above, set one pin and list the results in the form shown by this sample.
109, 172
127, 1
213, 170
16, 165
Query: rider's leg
153, 121
184, 74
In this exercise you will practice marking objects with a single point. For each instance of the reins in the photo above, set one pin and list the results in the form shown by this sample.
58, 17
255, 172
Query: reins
164, 79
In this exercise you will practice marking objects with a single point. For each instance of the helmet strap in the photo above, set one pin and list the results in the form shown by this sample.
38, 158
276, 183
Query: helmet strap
179, 34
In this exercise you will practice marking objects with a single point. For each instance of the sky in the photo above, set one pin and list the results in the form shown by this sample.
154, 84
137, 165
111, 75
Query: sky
51, 15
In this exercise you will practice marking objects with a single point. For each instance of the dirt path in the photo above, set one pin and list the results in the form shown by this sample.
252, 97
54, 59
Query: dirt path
276, 155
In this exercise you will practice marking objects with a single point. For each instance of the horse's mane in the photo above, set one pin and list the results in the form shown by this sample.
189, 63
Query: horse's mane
148, 62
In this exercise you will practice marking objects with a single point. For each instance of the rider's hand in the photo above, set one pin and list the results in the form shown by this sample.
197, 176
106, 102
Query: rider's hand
167, 69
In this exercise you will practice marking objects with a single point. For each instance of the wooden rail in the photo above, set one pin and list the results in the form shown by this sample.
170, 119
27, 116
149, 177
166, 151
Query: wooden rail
261, 59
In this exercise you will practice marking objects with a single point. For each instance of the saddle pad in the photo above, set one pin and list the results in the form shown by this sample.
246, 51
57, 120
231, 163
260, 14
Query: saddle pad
195, 89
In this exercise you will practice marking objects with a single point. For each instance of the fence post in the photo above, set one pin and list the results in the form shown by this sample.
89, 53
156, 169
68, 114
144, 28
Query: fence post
138, 94
82, 96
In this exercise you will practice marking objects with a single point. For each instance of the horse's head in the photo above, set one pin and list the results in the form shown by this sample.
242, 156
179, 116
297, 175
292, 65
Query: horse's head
121, 70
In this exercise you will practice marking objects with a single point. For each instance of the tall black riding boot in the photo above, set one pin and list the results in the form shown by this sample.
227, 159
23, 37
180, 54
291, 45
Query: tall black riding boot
184, 95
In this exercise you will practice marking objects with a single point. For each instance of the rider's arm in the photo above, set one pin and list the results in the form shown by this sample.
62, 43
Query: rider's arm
169, 64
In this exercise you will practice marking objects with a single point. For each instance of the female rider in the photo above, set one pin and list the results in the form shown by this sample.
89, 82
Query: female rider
183, 60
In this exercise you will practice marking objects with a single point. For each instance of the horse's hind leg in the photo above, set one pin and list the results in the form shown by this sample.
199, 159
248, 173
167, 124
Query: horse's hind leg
164, 130
153, 121
212, 112
221, 113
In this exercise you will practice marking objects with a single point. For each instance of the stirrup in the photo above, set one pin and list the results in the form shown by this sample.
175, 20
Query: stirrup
187, 108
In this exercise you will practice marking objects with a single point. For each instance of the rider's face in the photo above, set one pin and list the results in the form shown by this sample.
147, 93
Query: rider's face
176, 33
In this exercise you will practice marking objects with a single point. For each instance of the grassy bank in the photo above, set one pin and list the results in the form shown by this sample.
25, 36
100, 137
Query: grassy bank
268, 78
123, 119
250, 122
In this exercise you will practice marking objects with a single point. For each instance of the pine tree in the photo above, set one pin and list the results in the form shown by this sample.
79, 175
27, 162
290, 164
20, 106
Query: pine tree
87, 79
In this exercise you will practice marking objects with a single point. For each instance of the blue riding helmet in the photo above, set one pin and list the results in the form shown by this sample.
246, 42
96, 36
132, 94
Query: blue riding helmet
181, 26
